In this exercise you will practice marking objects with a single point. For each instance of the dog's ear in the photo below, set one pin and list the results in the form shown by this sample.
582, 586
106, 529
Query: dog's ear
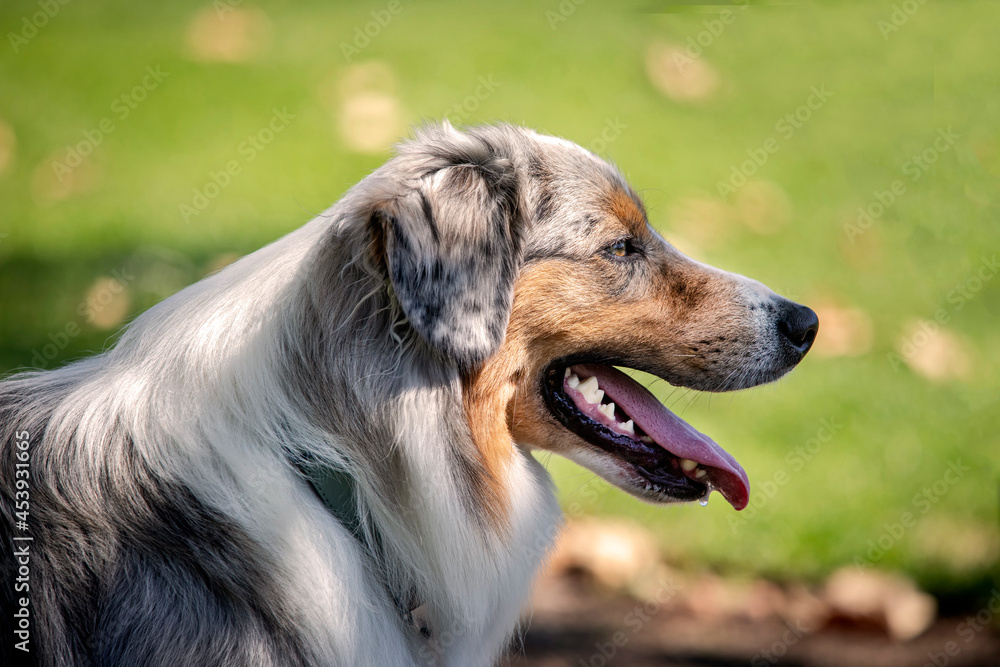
452, 250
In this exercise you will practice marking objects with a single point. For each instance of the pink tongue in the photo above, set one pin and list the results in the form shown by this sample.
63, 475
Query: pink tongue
671, 432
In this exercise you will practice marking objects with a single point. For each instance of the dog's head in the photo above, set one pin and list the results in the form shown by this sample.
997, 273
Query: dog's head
530, 264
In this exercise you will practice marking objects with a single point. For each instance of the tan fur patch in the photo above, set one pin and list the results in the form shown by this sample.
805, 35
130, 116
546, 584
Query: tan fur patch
485, 396
621, 205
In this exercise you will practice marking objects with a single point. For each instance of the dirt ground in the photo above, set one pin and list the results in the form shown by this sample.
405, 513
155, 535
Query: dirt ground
576, 625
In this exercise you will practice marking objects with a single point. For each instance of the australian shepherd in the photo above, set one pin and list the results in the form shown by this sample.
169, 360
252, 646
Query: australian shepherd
324, 454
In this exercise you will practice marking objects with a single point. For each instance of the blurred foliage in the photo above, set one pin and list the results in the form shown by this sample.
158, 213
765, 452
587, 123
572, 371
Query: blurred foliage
681, 97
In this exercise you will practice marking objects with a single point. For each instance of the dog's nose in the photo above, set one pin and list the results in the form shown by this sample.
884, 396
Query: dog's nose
798, 325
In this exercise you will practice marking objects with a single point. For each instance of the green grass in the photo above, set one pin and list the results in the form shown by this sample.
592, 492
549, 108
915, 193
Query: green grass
898, 430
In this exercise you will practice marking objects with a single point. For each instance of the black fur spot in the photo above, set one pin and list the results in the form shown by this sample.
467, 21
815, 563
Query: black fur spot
429, 214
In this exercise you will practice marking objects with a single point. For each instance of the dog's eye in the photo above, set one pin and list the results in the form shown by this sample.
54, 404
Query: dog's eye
621, 248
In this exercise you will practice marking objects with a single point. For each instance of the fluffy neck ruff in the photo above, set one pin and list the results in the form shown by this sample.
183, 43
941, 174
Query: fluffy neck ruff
456, 525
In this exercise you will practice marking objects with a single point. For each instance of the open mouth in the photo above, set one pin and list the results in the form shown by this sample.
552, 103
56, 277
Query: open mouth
667, 458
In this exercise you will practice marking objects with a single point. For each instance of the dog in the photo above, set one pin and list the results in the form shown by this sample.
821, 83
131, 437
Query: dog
324, 453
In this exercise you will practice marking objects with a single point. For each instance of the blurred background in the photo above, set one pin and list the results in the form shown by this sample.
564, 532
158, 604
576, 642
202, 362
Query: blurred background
847, 154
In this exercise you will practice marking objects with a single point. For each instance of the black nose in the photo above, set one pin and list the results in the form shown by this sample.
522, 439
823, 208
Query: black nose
798, 325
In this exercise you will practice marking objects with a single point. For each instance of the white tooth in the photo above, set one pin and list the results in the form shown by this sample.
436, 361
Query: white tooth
573, 381
688, 465
646, 438
701, 473
590, 391
567, 373
608, 409
589, 385
629, 427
